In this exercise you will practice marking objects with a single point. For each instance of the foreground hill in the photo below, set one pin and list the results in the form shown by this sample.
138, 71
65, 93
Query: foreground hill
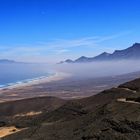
131, 53
110, 115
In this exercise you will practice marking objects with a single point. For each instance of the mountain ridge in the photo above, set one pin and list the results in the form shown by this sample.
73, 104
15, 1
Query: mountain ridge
130, 53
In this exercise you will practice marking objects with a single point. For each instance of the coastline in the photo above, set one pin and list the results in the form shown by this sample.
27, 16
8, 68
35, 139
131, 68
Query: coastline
62, 85
35, 81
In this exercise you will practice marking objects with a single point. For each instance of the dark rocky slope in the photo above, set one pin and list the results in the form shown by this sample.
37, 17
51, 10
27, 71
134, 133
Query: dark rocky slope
113, 114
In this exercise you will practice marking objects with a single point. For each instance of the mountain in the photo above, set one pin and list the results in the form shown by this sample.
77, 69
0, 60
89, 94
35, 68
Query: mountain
103, 56
130, 53
82, 59
6, 61
110, 115
68, 61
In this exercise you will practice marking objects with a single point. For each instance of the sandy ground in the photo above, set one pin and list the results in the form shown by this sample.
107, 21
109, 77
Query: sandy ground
32, 113
5, 131
125, 101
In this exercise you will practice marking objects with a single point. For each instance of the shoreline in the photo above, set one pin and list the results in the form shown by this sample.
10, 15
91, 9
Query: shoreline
62, 85
35, 81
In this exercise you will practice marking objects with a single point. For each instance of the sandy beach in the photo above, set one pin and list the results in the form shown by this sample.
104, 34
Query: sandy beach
44, 79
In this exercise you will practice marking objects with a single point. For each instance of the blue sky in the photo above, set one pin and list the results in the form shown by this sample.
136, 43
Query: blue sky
53, 30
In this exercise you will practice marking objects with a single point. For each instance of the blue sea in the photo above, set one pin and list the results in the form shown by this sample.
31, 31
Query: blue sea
11, 74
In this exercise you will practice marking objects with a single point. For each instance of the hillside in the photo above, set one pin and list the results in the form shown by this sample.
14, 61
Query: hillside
110, 115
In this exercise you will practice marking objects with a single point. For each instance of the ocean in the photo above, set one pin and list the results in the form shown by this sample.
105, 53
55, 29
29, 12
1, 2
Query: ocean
11, 74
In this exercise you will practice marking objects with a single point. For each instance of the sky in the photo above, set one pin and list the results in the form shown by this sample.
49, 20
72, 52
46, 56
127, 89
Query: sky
54, 30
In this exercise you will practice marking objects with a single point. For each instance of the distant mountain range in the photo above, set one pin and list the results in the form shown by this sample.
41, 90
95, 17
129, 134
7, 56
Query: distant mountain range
8, 61
130, 53
2, 61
